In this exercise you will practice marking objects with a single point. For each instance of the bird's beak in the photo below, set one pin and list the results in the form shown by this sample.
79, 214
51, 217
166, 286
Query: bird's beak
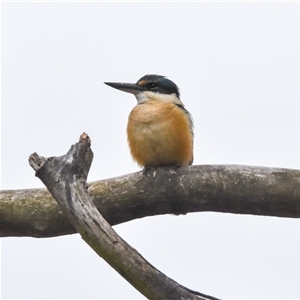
131, 88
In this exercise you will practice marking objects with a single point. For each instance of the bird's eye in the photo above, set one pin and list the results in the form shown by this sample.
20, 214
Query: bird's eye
151, 85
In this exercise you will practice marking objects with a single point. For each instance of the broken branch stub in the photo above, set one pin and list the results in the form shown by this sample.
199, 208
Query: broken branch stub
65, 177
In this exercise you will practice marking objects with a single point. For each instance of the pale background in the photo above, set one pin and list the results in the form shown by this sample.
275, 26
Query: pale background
238, 67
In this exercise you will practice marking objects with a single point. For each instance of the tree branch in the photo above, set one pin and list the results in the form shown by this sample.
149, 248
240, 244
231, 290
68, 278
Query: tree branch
65, 178
221, 188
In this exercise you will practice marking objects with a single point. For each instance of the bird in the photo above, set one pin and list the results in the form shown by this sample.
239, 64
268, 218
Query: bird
160, 128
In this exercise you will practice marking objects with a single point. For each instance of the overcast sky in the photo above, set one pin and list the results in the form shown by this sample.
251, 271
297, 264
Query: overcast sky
238, 68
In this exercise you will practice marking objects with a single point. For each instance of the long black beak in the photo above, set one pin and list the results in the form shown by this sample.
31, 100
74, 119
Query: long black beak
131, 88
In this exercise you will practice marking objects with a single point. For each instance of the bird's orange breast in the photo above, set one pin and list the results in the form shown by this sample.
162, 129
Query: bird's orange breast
160, 134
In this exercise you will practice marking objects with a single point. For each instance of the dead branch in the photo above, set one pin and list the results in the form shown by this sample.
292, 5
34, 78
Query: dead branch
220, 188
65, 178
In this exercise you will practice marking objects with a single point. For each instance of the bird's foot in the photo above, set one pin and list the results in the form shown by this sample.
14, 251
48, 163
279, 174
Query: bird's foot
146, 170
177, 167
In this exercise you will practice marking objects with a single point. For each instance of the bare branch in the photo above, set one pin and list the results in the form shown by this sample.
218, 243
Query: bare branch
65, 177
221, 188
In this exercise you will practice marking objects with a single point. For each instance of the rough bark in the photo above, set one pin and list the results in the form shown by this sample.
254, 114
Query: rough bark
65, 178
220, 188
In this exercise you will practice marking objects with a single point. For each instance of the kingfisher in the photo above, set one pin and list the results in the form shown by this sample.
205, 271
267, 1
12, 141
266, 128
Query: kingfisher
159, 129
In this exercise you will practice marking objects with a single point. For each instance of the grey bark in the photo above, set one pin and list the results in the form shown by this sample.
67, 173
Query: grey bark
220, 188
65, 178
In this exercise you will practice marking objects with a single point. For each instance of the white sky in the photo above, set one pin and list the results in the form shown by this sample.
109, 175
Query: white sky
238, 67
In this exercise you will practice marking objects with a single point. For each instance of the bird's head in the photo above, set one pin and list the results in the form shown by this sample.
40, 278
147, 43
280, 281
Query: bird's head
151, 87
